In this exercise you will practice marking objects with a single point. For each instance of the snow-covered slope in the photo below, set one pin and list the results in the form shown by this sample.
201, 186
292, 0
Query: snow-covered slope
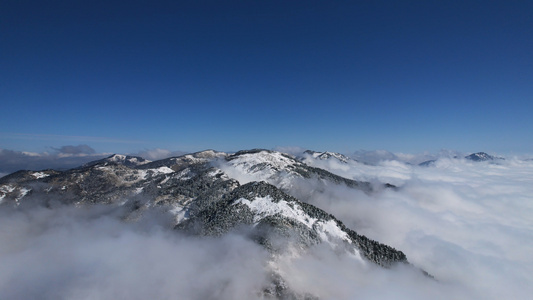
281, 170
274, 215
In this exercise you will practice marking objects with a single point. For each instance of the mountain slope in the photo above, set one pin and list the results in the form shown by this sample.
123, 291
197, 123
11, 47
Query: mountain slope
282, 170
210, 193
272, 214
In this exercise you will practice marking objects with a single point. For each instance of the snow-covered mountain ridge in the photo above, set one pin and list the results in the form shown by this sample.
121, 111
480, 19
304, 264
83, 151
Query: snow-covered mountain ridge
328, 155
209, 193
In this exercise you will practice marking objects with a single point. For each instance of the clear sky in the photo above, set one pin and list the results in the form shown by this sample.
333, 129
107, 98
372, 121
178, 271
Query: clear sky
405, 76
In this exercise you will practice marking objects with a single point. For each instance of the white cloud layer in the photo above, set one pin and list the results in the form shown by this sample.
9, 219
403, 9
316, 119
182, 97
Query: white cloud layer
469, 224
68, 254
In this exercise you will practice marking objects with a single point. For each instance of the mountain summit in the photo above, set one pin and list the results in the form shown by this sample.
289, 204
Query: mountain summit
328, 155
481, 156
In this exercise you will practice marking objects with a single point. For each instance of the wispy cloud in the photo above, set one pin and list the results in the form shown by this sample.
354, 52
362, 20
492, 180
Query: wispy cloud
75, 150
72, 138
64, 157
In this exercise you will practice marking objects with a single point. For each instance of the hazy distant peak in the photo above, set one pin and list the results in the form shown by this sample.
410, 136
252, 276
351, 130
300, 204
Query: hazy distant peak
428, 163
209, 154
121, 159
481, 156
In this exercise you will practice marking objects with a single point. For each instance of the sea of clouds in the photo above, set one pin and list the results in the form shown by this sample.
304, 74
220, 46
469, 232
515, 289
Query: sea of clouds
73, 253
469, 224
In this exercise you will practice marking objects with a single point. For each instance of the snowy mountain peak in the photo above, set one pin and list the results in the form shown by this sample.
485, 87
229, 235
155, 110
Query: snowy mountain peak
126, 160
209, 154
328, 155
281, 170
480, 156
259, 159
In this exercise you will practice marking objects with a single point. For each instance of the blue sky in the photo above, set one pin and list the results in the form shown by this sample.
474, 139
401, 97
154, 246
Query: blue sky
405, 76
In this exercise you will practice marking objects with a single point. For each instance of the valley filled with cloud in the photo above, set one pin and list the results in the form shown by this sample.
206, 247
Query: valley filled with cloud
467, 223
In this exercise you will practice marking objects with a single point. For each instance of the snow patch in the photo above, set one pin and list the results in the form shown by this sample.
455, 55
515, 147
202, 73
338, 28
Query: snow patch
158, 171
23, 192
7, 188
39, 175
164, 180
184, 174
330, 228
275, 160
180, 212
163, 170
190, 158
138, 191
218, 172
117, 158
264, 207
142, 174
328, 231
260, 166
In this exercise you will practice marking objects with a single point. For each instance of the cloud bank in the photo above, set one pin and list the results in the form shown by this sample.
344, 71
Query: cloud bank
469, 224
71, 254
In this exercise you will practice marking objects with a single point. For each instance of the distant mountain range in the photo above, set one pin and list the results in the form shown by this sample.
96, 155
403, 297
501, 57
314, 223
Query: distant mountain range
211, 193
481, 156
477, 157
